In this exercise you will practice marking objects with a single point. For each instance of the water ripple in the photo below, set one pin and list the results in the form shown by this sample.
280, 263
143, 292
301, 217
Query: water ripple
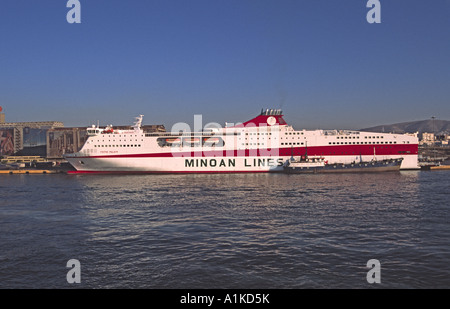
226, 231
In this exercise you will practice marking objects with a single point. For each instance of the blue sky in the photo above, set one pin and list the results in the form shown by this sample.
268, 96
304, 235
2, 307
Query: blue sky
318, 60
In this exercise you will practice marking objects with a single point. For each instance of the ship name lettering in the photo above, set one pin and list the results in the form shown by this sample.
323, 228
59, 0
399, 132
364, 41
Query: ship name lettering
254, 162
209, 162
260, 162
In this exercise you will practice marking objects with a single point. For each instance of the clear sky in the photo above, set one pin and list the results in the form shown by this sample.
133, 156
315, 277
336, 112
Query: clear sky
318, 60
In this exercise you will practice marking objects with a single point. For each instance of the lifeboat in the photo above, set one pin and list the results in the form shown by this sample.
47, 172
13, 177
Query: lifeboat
212, 140
191, 140
108, 130
173, 140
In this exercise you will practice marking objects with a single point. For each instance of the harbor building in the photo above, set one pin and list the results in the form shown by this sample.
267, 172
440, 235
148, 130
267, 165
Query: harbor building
427, 139
24, 138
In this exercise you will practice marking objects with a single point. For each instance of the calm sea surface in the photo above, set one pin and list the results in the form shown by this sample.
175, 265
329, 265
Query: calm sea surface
226, 231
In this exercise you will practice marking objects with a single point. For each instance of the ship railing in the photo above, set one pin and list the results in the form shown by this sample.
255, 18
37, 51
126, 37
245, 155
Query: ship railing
340, 132
272, 112
173, 134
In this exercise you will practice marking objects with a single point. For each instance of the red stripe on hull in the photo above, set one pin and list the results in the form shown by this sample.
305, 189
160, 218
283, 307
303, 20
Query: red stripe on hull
164, 172
341, 150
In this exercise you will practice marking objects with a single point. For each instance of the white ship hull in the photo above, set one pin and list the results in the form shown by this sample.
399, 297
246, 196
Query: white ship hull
202, 165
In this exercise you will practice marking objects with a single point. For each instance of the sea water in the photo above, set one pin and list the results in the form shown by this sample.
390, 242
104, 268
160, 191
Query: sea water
233, 231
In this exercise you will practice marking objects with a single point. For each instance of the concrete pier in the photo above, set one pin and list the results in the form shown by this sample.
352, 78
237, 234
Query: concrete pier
30, 171
440, 167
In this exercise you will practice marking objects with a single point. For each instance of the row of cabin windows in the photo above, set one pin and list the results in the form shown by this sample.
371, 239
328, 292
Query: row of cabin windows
117, 145
358, 143
120, 140
285, 133
262, 138
114, 135
292, 143
301, 133
348, 137
357, 137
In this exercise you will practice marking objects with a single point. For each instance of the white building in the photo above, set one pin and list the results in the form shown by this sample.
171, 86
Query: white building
427, 139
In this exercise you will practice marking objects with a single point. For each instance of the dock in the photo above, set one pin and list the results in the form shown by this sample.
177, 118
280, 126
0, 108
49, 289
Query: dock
30, 171
440, 167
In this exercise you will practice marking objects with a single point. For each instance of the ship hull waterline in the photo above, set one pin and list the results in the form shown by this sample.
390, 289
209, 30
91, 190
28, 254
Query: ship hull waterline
184, 165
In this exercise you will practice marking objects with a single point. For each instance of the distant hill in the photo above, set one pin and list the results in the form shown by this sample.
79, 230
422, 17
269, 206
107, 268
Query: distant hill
437, 126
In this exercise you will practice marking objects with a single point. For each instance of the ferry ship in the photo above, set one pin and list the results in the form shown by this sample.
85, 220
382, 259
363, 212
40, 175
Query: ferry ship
262, 144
